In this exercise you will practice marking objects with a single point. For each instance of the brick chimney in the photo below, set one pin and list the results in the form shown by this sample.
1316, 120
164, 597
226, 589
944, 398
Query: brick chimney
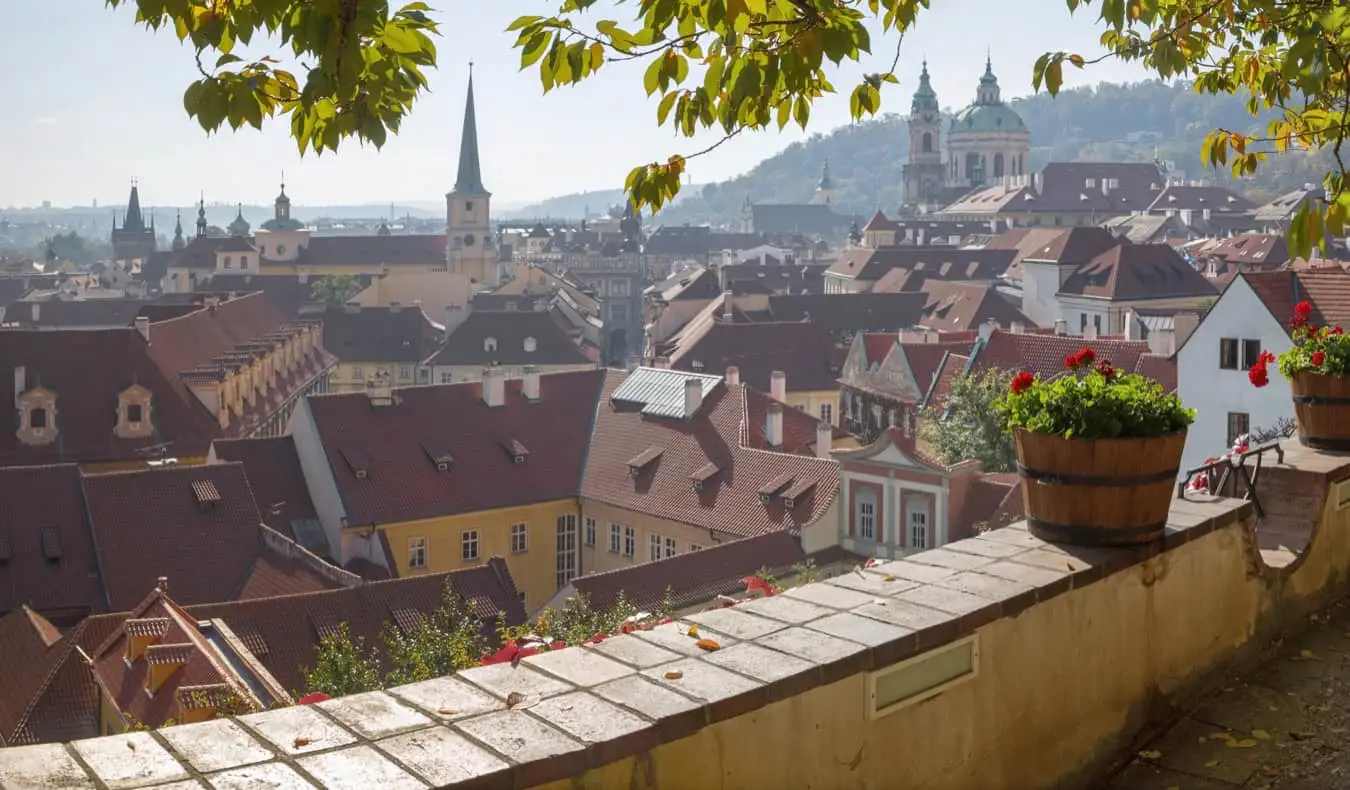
143, 326
494, 387
20, 381
728, 303
693, 397
733, 376
824, 439
530, 383
773, 425
778, 386
37, 311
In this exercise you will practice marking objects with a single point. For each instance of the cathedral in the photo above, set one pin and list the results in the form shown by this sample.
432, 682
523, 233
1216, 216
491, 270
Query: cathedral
985, 141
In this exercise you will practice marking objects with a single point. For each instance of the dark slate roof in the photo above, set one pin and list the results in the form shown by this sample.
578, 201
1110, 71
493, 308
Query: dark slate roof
44, 512
696, 240
288, 291
380, 334
276, 481
401, 250
946, 262
83, 313
807, 218
864, 312
803, 351
1137, 271
468, 343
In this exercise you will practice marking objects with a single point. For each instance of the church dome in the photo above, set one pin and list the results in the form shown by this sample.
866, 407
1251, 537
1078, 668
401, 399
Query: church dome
980, 118
240, 226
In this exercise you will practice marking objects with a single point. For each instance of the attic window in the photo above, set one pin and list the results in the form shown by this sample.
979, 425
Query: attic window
642, 460
208, 496
325, 624
704, 473
797, 493
530, 345
515, 450
490, 344
772, 488
358, 461
51, 545
439, 456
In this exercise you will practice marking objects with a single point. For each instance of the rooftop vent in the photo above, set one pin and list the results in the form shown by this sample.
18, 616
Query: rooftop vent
642, 460
358, 461
51, 545
515, 450
439, 456
208, 496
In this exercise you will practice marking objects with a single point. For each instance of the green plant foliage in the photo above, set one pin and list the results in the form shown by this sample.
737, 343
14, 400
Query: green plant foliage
1092, 403
1321, 350
334, 290
967, 426
450, 639
343, 665
578, 621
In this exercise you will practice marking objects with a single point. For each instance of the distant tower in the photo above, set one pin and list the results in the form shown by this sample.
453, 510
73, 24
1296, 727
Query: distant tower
468, 215
134, 241
240, 226
747, 215
825, 191
988, 140
923, 173
178, 242
201, 218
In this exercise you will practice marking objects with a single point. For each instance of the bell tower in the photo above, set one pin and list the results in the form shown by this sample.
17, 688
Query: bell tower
469, 245
923, 172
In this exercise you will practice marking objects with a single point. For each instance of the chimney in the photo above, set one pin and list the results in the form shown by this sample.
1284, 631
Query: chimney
1061, 326
1090, 332
824, 439
20, 381
733, 376
1017, 327
661, 363
773, 425
1132, 329
530, 383
693, 397
1183, 324
379, 391
394, 307
722, 276
494, 388
778, 386
1037, 181
37, 311
728, 303
143, 326
987, 328
163, 584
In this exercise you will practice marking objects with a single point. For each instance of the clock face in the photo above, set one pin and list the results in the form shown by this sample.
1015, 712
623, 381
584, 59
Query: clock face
468, 240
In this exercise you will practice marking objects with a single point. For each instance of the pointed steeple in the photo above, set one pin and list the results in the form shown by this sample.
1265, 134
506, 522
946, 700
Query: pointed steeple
989, 92
825, 181
201, 217
469, 180
178, 242
133, 220
925, 98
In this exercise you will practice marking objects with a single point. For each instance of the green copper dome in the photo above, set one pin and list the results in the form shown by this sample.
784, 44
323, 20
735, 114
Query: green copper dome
925, 98
240, 226
981, 118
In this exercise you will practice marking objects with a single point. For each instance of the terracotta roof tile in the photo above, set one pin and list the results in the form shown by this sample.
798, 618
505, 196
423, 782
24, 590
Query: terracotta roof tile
1160, 368
848, 313
876, 345
1137, 271
1327, 289
46, 498
982, 498
925, 360
1044, 354
803, 351
880, 221
958, 306
952, 365
28, 660
276, 480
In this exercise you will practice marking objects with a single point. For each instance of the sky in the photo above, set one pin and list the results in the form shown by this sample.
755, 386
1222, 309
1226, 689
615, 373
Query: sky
93, 100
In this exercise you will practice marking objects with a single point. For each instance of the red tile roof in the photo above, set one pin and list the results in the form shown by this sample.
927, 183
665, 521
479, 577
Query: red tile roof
880, 221
402, 483
43, 512
1249, 248
952, 365
799, 427
958, 306
729, 502
876, 345
1044, 354
1162, 369
803, 351
275, 478
1328, 290
1137, 271
694, 577
28, 658
925, 360
983, 498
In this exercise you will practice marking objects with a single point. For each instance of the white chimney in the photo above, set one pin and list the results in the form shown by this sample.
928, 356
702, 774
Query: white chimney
693, 397
304, 277
530, 383
778, 386
773, 426
37, 311
1090, 332
1037, 181
1061, 326
987, 328
728, 302
1132, 328
722, 276
661, 363
1017, 327
733, 376
20, 381
143, 326
824, 439
494, 387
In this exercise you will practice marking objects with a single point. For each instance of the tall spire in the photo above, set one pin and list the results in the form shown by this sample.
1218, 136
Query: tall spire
133, 220
201, 217
925, 98
178, 242
469, 180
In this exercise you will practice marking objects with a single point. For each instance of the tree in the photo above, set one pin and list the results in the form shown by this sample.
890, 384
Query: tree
335, 290
739, 65
343, 665
967, 426
449, 640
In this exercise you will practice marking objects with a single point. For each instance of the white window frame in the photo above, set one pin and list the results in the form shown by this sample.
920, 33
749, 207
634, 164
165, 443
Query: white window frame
671, 547
520, 538
917, 531
629, 542
417, 553
590, 532
865, 514
567, 551
614, 544
468, 545
827, 413
653, 547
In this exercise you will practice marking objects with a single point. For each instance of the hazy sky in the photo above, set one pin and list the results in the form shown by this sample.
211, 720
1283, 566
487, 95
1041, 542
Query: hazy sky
92, 100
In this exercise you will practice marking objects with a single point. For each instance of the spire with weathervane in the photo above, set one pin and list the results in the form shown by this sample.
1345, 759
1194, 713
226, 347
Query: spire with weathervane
469, 180
468, 215
201, 217
178, 241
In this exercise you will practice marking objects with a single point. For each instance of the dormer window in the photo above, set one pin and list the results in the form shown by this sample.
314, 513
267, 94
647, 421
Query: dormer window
490, 344
134, 413
37, 418
530, 345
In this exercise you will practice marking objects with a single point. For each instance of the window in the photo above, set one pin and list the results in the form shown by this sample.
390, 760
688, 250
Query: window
1239, 423
1082, 322
918, 527
1097, 323
281, 249
468, 205
1228, 353
518, 538
229, 262
590, 532
670, 547
827, 413
614, 538
469, 545
357, 372
446, 378
135, 412
654, 552
417, 552
567, 550
243, 261
405, 372
1251, 351
37, 418
629, 541
866, 515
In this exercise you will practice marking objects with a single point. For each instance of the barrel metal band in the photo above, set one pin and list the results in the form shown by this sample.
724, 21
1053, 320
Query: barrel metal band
1319, 400
1318, 443
1053, 478
1090, 535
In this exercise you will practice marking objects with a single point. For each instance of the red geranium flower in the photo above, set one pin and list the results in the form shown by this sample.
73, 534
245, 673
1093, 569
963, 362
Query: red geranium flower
1335, 330
1086, 357
1266, 357
1022, 382
1318, 358
1258, 375
1303, 308
1104, 368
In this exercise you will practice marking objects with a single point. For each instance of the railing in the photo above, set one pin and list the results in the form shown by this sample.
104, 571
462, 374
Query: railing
1230, 475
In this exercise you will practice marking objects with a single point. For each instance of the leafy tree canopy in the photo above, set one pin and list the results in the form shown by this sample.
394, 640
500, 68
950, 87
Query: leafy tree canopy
968, 426
738, 65
335, 290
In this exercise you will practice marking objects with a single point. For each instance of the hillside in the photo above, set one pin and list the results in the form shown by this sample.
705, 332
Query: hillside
1111, 122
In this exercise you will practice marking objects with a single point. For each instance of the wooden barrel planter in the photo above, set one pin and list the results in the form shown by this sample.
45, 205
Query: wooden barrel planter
1322, 409
1098, 492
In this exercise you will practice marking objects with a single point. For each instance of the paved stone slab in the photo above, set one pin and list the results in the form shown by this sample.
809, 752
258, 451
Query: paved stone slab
447, 698
503, 679
1014, 535
675, 637
1143, 775
579, 667
646, 697
944, 599
374, 714
905, 614
947, 558
863, 630
985, 585
702, 680
358, 768
190, 784
41, 767
789, 610
132, 759
1200, 750
829, 595
589, 718
215, 745
297, 730
813, 646
759, 663
268, 776
442, 757
519, 736
984, 547
1023, 573
735, 621
907, 571
633, 651
874, 582
1250, 706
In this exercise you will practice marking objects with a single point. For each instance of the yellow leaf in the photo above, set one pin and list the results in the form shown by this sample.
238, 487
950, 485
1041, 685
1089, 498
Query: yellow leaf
693, 630
1151, 754
1261, 735
674, 674
1308, 654
1211, 763
1245, 743
446, 711
708, 644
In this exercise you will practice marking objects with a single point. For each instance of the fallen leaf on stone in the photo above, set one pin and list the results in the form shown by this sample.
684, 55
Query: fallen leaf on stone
888, 578
131, 746
1302, 736
693, 631
1261, 735
1174, 787
1245, 743
1211, 763
1308, 655
513, 699
446, 711
1151, 754
674, 674
301, 741
708, 644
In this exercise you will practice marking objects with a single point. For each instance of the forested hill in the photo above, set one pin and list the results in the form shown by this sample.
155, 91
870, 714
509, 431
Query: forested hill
1118, 123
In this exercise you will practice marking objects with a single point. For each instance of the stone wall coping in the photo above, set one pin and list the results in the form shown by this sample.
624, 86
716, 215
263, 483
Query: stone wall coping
580, 708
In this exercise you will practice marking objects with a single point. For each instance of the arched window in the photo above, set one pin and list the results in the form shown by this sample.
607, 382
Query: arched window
972, 166
998, 165
927, 142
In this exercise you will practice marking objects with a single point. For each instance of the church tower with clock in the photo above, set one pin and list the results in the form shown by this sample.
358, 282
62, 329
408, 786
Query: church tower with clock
924, 173
469, 245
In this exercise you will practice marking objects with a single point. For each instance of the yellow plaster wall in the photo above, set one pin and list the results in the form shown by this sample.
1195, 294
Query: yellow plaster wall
534, 570
344, 379
600, 558
809, 402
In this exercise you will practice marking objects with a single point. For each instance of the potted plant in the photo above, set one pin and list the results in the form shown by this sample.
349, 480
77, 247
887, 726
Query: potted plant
1098, 451
1318, 369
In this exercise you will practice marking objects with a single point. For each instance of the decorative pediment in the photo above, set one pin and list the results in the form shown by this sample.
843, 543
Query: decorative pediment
37, 416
